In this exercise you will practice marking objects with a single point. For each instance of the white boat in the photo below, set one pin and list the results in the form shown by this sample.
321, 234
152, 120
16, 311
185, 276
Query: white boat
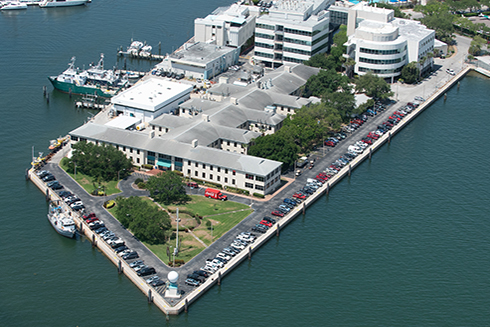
13, 5
62, 3
61, 221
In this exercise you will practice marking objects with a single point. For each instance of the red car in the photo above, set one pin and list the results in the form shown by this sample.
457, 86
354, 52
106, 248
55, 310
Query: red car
330, 143
267, 223
367, 141
372, 136
299, 196
275, 213
89, 216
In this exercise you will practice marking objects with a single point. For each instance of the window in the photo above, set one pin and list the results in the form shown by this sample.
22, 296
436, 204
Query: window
259, 178
249, 185
264, 45
124, 149
196, 174
197, 165
219, 169
226, 170
259, 187
233, 182
137, 160
226, 179
137, 151
152, 154
218, 178
210, 176
264, 36
203, 175
210, 167
130, 150
227, 142
235, 144
188, 172
265, 55
151, 161
383, 52
203, 166
248, 176
160, 128
189, 162
74, 138
234, 173
265, 26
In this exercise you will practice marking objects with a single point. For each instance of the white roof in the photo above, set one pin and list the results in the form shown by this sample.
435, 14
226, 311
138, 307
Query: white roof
152, 94
123, 122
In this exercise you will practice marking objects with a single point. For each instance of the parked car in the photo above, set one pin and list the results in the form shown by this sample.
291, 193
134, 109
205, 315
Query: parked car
157, 282
192, 282
146, 271
136, 263
450, 71
277, 213
130, 255
48, 178
266, 223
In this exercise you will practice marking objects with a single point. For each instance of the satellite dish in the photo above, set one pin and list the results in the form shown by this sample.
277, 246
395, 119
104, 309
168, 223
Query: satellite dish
173, 276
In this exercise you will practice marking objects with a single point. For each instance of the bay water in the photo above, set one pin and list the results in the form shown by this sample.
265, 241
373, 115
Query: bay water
402, 242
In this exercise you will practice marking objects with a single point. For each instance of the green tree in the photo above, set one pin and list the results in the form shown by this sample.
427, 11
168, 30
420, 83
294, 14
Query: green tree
437, 16
167, 188
374, 86
146, 222
410, 73
476, 45
102, 162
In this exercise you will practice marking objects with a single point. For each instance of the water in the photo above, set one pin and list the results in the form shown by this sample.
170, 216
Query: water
403, 242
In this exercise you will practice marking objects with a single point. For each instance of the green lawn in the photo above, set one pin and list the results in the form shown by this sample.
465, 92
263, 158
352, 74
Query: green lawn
87, 182
224, 215
221, 224
205, 206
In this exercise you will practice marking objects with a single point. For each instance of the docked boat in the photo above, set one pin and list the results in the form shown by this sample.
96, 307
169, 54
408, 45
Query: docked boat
13, 5
61, 221
62, 3
94, 81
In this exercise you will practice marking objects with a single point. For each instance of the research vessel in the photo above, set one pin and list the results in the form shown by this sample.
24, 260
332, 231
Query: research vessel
61, 221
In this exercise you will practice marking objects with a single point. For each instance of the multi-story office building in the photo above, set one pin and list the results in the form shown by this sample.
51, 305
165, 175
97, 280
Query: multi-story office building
292, 32
382, 44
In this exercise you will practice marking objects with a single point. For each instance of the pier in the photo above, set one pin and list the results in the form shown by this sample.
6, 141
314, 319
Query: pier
183, 304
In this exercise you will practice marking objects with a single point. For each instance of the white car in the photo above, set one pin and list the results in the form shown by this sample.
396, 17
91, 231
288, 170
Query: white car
237, 245
224, 256
450, 71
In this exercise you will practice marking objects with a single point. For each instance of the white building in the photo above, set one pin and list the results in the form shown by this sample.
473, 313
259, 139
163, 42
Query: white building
231, 26
151, 98
292, 32
382, 44
200, 60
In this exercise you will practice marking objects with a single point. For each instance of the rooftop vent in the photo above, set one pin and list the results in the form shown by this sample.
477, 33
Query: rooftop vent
194, 143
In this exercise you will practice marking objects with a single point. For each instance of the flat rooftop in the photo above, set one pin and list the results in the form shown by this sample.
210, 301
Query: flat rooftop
151, 94
200, 53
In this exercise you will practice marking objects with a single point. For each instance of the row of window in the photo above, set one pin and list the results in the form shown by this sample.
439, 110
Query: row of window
265, 26
257, 187
321, 38
319, 49
295, 60
299, 51
380, 71
383, 52
265, 55
302, 42
211, 177
298, 32
382, 62
264, 36
264, 45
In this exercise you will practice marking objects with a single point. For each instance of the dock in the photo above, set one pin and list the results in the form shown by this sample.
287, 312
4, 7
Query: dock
183, 304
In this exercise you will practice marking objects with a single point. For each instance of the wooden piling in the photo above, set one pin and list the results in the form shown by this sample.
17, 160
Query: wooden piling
445, 96
119, 267
389, 137
304, 208
27, 174
150, 297
44, 90
47, 97
47, 194
350, 169
277, 230
328, 188
219, 278
93, 240
186, 306
249, 253
370, 153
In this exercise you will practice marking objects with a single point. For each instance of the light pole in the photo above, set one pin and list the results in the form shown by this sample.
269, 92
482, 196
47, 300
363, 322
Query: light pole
75, 174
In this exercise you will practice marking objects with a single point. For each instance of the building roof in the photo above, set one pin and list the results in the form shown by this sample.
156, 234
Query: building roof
123, 122
199, 53
151, 94
203, 154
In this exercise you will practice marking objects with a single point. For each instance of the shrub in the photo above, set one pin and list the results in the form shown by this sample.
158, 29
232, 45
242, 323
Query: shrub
138, 180
109, 204
147, 166
178, 263
142, 185
258, 195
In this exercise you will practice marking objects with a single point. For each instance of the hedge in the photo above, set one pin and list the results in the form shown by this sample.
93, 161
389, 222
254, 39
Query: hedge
147, 166
259, 195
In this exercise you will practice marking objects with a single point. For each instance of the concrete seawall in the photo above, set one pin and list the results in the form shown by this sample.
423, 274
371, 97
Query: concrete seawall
189, 298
